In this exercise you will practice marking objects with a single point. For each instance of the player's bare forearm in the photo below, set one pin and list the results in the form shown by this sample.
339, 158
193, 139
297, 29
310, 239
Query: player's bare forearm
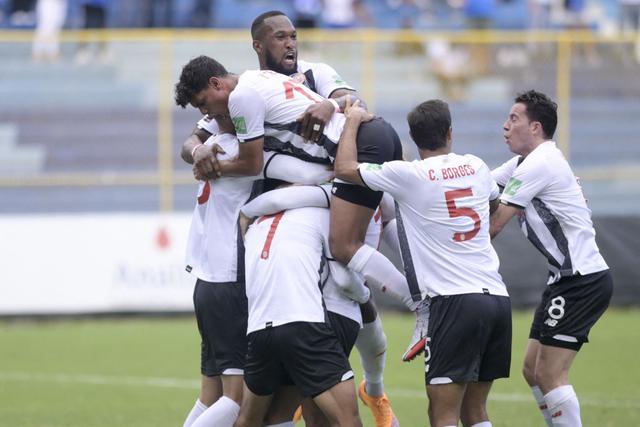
500, 217
346, 162
248, 162
346, 97
197, 137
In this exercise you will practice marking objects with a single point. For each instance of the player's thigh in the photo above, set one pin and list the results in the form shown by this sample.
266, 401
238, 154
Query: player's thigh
445, 402
313, 416
283, 405
552, 367
253, 409
349, 222
474, 403
339, 403
530, 361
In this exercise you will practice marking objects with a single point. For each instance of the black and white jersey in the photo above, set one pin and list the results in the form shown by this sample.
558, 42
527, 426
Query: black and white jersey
317, 76
555, 216
215, 252
267, 104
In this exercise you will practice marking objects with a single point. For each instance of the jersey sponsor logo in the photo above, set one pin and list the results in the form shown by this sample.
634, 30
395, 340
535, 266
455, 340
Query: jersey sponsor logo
512, 187
240, 124
372, 167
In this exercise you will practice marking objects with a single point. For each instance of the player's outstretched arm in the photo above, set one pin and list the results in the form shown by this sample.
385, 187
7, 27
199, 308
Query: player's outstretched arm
501, 217
291, 197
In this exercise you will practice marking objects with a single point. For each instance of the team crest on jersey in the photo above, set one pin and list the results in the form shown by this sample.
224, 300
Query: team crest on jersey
240, 124
512, 186
299, 78
338, 80
373, 167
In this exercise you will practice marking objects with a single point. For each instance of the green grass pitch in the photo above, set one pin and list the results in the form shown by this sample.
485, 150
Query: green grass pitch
145, 372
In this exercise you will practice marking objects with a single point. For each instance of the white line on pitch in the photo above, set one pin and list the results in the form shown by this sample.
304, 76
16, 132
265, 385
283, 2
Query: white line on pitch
166, 382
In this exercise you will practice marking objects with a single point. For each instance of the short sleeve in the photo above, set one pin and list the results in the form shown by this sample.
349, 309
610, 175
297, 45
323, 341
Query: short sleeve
247, 110
502, 173
527, 181
393, 177
209, 124
327, 80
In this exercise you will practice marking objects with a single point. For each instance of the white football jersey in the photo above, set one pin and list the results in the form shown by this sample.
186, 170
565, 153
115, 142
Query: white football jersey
267, 104
317, 76
321, 78
444, 205
294, 197
556, 218
283, 268
215, 251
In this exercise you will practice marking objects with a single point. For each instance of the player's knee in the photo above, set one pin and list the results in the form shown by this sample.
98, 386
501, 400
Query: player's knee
242, 421
473, 414
529, 373
341, 248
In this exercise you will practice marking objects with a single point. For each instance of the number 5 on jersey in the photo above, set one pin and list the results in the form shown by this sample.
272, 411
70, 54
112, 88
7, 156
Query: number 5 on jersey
455, 212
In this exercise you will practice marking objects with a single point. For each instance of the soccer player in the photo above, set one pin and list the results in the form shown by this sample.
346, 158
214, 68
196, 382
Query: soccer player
443, 202
215, 255
541, 190
289, 339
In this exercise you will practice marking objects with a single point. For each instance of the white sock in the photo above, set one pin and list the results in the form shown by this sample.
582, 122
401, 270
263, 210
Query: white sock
197, 409
482, 424
542, 404
381, 272
223, 413
563, 406
287, 424
372, 347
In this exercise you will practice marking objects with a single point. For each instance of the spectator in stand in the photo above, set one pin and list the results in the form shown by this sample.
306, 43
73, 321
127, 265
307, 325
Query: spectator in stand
630, 22
21, 12
95, 17
201, 16
345, 13
479, 16
307, 13
50, 17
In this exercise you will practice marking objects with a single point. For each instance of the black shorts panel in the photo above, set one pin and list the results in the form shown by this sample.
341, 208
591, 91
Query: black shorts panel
308, 353
346, 330
357, 194
221, 313
377, 142
569, 309
469, 339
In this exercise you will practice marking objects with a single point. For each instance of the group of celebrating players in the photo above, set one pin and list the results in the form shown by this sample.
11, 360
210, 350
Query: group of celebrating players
283, 271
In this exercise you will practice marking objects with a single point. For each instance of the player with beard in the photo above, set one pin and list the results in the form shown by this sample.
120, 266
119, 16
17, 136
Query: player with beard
275, 43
